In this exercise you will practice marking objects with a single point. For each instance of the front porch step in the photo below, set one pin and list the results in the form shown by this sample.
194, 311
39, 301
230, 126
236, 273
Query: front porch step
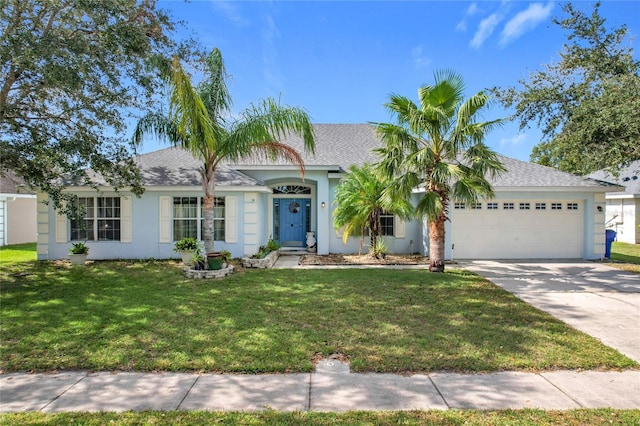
293, 251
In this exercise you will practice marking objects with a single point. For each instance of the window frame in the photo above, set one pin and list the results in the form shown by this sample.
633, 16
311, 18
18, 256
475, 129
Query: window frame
97, 219
387, 220
219, 223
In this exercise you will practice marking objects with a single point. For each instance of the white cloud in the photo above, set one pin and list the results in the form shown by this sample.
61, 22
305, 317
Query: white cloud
471, 10
271, 71
420, 59
517, 140
485, 29
230, 11
525, 21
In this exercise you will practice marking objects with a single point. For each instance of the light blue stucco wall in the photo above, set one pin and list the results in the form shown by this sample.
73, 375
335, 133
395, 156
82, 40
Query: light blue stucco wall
410, 243
145, 212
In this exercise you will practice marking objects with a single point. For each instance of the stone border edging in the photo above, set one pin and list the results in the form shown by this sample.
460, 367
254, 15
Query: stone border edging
206, 274
265, 263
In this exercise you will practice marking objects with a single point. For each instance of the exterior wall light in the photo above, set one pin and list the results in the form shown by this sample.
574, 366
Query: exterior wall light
322, 204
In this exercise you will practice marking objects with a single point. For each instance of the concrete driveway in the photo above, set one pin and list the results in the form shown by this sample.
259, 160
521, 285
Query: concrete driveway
597, 299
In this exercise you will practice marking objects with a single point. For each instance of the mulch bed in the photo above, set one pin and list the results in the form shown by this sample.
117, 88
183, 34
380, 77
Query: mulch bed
365, 259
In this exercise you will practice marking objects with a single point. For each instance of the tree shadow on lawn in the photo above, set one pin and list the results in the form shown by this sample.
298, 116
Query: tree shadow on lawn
147, 316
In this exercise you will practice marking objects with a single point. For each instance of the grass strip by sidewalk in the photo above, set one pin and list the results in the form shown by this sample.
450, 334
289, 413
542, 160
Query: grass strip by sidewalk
18, 253
627, 253
146, 316
593, 417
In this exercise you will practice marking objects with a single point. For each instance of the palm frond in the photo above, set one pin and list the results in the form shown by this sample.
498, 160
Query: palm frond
430, 206
159, 126
192, 121
213, 90
281, 120
271, 151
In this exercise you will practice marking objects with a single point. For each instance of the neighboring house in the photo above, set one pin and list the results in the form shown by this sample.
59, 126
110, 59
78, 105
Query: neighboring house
538, 211
623, 208
17, 211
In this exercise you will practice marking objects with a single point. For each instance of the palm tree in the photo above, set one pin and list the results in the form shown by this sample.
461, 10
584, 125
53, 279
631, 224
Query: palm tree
197, 122
438, 146
360, 203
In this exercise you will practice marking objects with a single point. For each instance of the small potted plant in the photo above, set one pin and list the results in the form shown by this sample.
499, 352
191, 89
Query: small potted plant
78, 253
187, 247
198, 261
226, 257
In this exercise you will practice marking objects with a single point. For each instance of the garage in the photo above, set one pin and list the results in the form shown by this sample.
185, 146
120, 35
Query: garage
518, 229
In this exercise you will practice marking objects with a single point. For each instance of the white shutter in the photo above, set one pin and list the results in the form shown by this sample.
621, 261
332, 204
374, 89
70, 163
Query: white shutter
398, 227
165, 220
125, 220
61, 227
231, 219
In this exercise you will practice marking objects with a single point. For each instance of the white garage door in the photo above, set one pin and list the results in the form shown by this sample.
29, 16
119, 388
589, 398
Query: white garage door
518, 230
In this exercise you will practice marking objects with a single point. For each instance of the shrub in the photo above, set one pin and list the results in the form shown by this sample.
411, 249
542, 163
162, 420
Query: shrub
79, 248
187, 244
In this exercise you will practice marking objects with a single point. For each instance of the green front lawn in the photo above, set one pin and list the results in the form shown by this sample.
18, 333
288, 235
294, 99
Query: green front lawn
434, 417
146, 316
627, 253
18, 253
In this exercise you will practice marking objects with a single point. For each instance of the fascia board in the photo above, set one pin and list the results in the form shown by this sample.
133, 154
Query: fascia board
618, 196
585, 189
176, 188
328, 168
554, 189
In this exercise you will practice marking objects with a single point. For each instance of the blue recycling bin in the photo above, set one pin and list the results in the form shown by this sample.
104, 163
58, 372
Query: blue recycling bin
610, 238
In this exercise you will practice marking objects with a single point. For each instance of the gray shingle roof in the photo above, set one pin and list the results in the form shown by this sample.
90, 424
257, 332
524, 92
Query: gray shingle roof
629, 178
177, 167
338, 145
10, 183
345, 144
524, 174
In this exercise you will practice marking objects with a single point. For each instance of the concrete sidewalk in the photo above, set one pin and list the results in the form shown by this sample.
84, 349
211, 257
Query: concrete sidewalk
330, 388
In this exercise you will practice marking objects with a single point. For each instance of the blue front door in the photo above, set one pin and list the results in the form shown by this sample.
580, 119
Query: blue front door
292, 221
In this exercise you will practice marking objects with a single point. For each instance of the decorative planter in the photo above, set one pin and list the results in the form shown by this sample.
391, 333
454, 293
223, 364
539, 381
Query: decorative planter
77, 259
214, 260
187, 257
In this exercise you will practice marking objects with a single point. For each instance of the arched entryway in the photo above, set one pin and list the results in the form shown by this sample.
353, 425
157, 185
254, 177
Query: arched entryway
292, 213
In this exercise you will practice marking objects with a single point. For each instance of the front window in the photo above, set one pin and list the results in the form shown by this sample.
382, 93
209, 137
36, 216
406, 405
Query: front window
292, 189
386, 224
100, 221
185, 218
188, 218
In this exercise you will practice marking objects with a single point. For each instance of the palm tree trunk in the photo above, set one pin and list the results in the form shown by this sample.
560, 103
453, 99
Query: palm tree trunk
436, 244
208, 181
374, 230
207, 225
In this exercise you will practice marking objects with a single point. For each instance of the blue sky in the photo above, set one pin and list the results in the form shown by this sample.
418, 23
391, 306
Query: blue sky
341, 60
